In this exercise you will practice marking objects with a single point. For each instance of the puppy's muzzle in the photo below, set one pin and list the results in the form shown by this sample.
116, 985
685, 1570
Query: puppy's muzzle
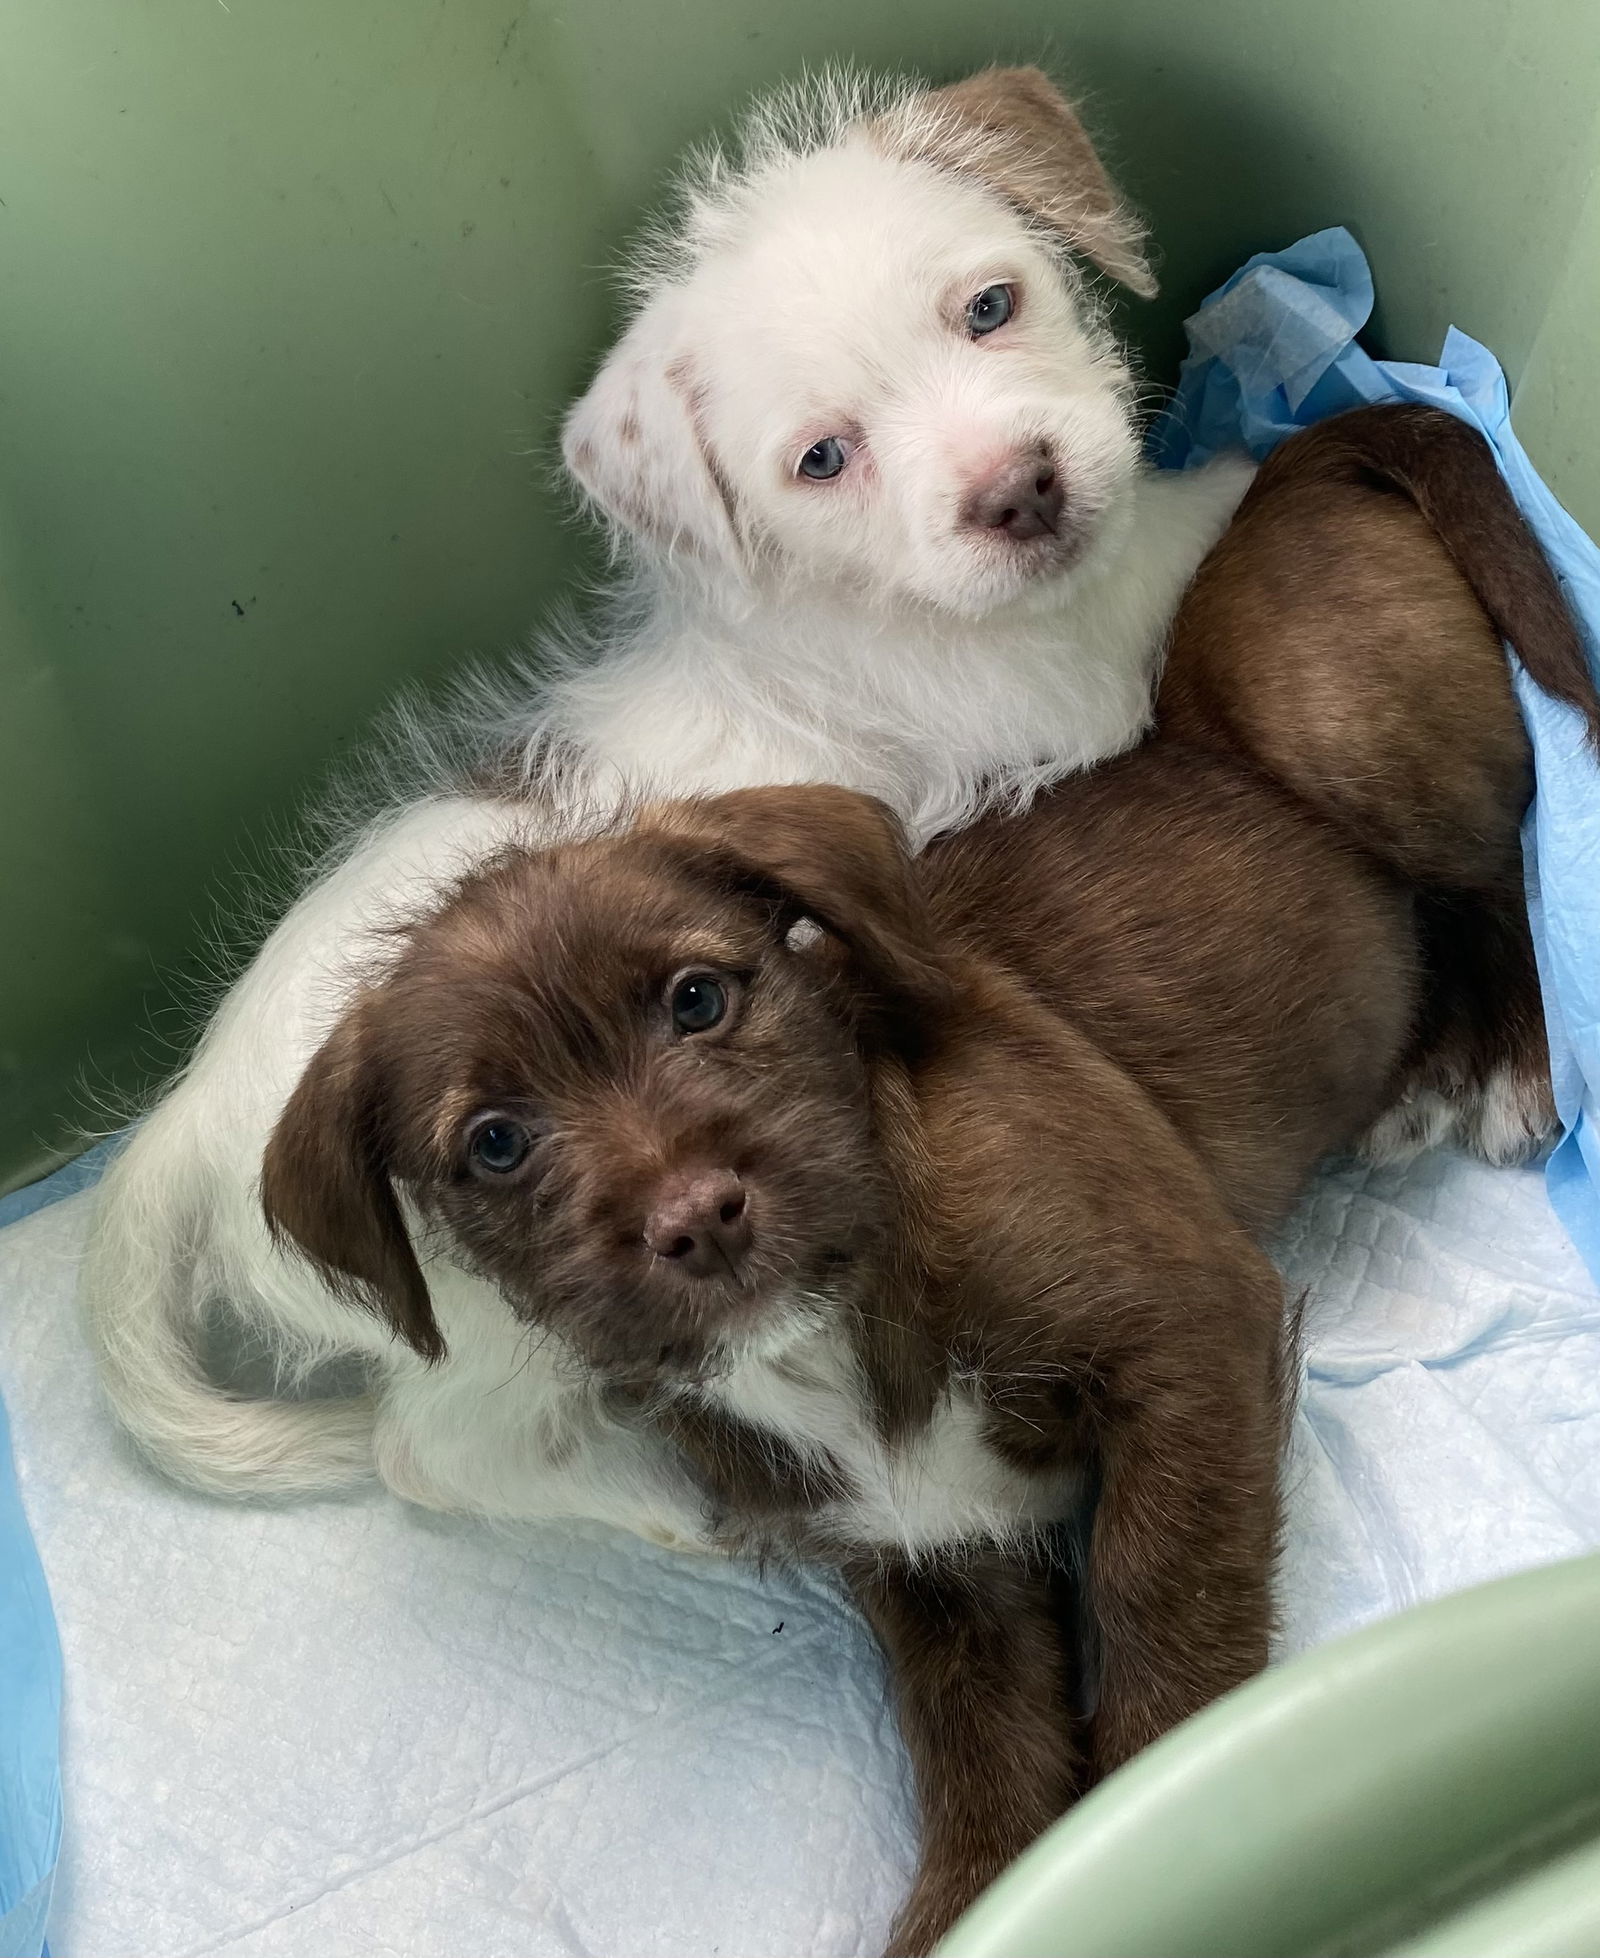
699, 1224
1023, 499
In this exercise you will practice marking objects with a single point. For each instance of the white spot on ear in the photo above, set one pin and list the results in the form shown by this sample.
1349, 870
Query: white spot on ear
801, 934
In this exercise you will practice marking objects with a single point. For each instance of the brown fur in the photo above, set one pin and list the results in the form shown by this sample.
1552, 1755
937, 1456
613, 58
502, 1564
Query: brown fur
1345, 637
975, 1646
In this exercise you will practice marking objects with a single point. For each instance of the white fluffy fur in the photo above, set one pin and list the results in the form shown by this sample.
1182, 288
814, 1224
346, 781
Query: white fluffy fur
766, 629
772, 628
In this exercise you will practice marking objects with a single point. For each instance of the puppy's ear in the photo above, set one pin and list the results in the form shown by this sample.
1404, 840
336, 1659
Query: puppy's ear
635, 445
1013, 128
836, 857
325, 1189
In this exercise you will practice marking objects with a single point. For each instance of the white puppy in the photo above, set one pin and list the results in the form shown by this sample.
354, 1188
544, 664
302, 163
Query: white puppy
870, 451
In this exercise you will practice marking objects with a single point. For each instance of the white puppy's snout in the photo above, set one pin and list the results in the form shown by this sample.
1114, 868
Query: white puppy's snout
1022, 497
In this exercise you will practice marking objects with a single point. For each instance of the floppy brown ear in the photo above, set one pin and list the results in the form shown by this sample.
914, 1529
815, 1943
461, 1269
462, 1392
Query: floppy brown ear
834, 856
326, 1191
1013, 128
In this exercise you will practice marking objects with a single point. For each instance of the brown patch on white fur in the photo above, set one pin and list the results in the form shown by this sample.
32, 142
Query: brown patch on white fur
648, 465
1013, 128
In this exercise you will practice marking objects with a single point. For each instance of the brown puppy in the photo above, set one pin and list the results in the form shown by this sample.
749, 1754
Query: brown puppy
910, 1235
910, 1212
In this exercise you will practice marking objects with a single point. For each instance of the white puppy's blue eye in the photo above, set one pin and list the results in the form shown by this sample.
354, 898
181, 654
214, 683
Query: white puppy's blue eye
824, 459
992, 308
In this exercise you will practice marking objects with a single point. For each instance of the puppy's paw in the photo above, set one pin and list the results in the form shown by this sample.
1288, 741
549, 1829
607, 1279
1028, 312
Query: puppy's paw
1507, 1120
1420, 1120
1510, 1119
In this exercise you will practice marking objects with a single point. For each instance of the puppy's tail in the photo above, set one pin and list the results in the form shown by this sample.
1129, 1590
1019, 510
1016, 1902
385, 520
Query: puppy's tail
145, 1289
1446, 468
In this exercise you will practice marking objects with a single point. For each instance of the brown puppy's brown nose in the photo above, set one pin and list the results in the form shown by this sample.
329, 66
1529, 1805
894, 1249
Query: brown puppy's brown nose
700, 1223
1023, 498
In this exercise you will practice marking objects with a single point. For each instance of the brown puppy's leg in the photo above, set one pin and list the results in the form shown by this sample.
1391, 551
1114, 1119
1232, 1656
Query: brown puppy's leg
1185, 1532
1085, 1267
1180, 1569
1119, 1317
978, 1667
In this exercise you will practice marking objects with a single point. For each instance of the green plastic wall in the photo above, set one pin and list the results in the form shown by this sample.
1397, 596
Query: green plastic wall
291, 290
1428, 1787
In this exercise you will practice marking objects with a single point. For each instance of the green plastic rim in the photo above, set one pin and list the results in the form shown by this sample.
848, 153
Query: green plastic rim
1429, 1785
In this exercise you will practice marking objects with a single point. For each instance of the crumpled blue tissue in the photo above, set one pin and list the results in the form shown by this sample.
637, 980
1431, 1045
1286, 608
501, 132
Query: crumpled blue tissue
1274, 350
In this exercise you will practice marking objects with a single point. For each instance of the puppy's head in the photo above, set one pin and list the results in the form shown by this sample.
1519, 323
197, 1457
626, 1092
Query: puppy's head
629, 1080
873, 360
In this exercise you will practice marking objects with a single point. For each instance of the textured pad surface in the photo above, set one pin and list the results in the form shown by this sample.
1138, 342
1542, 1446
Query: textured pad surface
357, 1727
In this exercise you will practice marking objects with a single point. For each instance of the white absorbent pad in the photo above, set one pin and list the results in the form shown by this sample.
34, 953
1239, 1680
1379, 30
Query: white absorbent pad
354, 1727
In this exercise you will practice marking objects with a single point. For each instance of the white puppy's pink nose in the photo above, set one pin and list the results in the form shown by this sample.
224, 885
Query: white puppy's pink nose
1023, 498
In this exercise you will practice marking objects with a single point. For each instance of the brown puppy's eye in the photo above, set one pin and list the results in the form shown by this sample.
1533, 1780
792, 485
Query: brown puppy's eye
499, 1146
698, 1002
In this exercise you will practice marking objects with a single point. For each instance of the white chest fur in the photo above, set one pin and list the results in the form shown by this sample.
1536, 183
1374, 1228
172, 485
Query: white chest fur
942, 1484
514, 1428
